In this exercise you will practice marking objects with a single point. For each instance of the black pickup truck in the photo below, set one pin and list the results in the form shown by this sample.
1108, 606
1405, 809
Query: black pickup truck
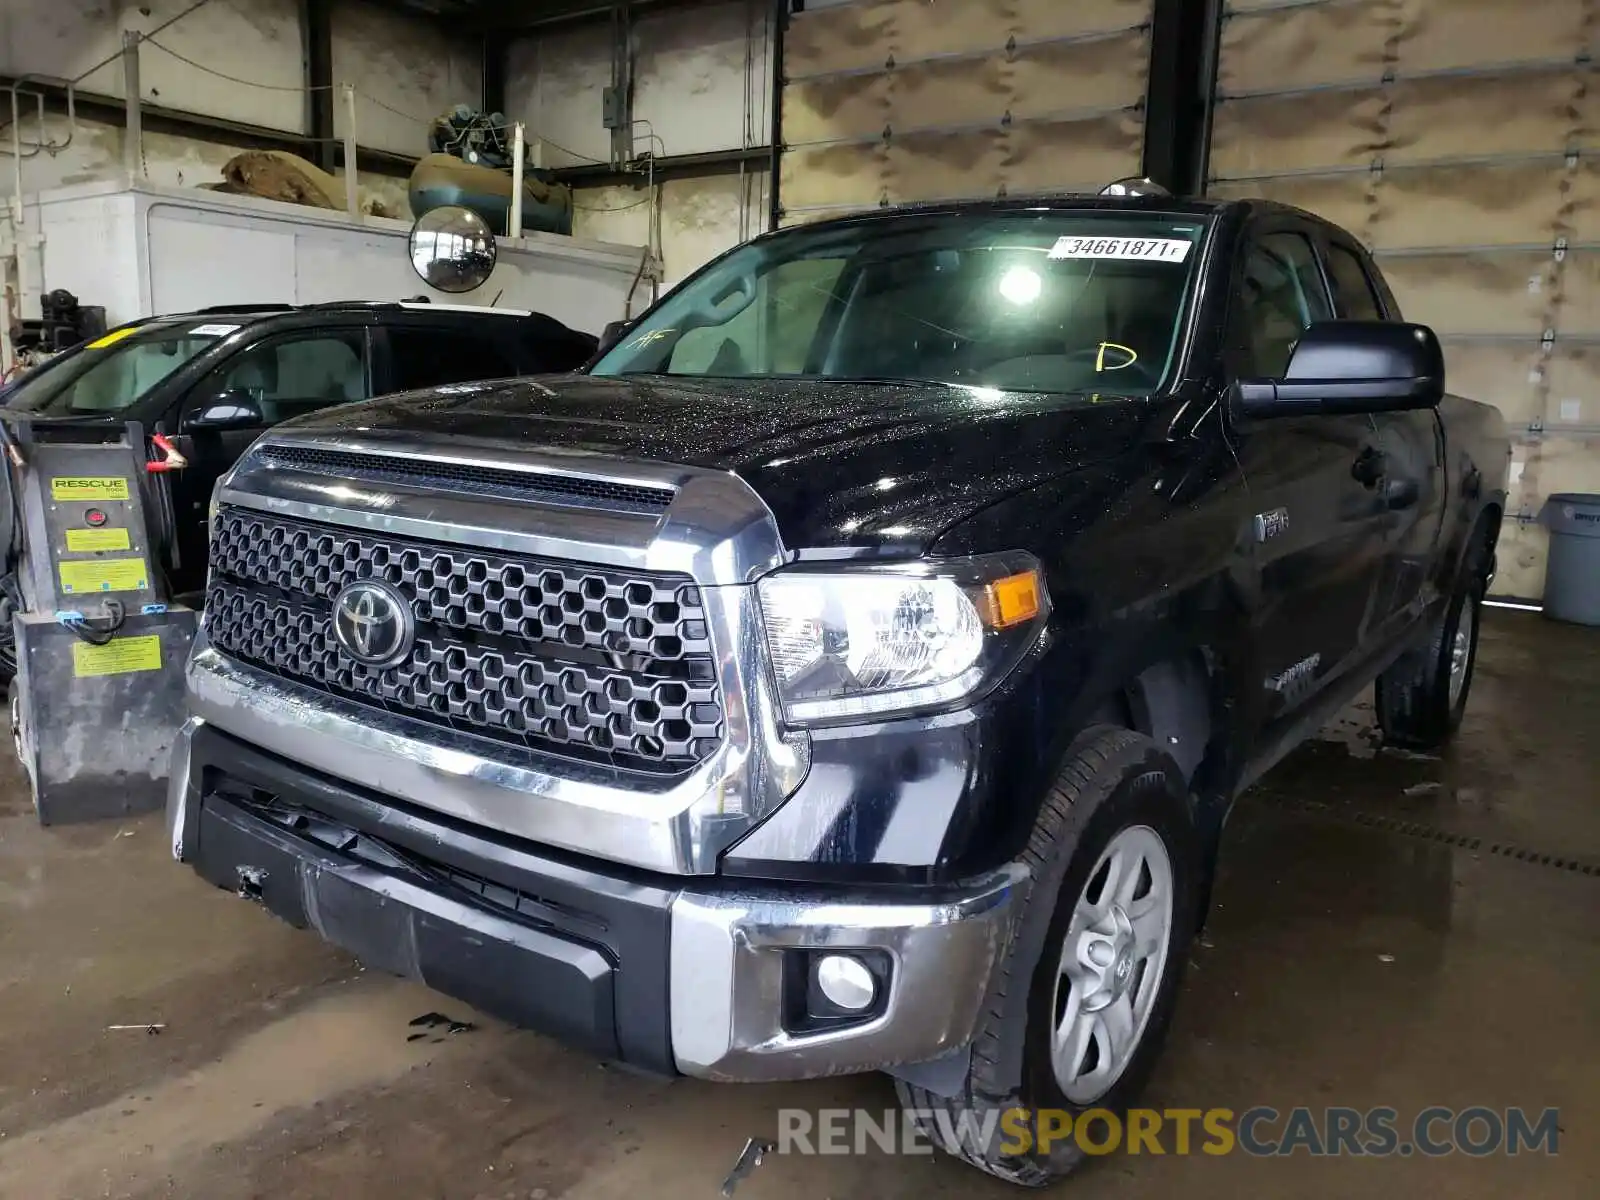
854, 668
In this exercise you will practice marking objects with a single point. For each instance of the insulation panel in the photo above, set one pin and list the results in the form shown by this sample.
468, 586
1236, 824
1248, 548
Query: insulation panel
889, 101
1460, 139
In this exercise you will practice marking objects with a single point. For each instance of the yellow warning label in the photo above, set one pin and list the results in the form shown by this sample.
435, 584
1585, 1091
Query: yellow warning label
88, 487
80, 540
118, 656
102, 575
112, 338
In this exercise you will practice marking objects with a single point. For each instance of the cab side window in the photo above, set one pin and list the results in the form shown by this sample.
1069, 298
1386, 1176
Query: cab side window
1353, 295
297, 373
1283, 293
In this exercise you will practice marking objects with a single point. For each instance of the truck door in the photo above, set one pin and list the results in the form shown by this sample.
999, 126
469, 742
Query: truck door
286, 375
1315, 524
1412, 483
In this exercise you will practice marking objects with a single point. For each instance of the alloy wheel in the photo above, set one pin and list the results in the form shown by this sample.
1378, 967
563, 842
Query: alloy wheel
1112, 964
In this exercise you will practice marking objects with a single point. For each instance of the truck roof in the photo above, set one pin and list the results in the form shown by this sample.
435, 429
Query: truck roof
1183, 206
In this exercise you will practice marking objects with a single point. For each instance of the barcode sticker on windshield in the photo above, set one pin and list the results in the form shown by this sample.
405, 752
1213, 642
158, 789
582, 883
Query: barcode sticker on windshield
1173, 250
212, 330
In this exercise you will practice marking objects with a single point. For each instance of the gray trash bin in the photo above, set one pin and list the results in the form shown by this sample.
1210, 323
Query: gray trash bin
1572, 577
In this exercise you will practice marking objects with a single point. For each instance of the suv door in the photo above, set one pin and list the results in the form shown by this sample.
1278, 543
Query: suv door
288, 375
1412, 448
1316, 521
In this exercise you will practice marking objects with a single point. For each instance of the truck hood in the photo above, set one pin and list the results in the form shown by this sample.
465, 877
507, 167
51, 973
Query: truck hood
862, 465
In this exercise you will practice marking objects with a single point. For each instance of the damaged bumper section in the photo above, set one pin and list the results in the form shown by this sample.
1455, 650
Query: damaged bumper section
718, 979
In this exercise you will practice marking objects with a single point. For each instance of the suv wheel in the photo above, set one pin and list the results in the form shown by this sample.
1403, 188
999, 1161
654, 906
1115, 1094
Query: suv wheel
1085, 990
1421, 697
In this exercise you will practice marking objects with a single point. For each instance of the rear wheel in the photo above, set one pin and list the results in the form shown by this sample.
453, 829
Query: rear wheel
1421, 697
1085, 990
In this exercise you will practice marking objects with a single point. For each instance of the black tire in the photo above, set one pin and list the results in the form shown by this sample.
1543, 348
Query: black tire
1113, 780
1415, 708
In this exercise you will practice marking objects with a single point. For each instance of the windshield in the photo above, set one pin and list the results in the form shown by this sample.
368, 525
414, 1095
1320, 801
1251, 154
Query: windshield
111, 373
1038, 301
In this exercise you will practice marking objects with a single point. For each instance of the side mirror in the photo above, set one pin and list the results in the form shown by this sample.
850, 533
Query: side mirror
612, 334
1351, 367
230, 410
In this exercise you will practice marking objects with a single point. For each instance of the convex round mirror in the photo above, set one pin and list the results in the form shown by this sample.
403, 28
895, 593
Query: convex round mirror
1134, 186
452, 249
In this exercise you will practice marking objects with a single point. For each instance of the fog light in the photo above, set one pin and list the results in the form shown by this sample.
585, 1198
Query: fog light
845, 981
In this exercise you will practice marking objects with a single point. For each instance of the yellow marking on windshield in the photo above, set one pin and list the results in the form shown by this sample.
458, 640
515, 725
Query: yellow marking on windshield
655, 335
112, 338
1100, 359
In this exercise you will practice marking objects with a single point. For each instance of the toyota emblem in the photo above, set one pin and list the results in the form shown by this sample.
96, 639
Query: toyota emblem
372, 623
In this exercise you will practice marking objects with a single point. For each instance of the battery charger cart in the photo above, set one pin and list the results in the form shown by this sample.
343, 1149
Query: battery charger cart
98, 646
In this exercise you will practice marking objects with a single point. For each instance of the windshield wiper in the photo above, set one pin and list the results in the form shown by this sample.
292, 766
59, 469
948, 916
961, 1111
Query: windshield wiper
896, 381
797, 377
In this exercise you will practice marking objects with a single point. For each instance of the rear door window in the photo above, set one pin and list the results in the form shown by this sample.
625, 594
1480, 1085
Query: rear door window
1353, 295
425, 357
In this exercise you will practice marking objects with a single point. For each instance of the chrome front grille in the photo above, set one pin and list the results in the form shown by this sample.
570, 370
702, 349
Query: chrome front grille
596, 664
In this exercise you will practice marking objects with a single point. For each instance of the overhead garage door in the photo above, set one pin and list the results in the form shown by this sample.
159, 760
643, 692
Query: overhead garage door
1458, 138
887, 101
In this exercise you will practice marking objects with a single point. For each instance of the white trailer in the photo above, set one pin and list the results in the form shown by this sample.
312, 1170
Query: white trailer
145, 250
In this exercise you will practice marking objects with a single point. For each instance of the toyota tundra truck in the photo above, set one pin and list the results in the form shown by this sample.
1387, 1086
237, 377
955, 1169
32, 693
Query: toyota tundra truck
853, 667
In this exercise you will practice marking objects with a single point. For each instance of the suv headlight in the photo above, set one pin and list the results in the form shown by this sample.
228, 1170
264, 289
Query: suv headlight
877, 640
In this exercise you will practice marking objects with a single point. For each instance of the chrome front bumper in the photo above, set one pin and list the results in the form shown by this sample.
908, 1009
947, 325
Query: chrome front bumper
727, 956
679, 829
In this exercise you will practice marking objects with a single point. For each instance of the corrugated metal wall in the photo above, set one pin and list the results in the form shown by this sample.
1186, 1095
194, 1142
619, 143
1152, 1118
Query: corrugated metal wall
887, 101
1461, 140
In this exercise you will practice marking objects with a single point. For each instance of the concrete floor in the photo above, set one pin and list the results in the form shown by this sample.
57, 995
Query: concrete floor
1352, 960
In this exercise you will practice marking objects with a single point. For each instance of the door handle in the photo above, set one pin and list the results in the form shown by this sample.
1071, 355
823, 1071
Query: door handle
1400, 493
1367, 470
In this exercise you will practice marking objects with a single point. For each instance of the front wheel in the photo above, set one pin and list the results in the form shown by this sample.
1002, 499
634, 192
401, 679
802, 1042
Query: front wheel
1421, 697
1086, 987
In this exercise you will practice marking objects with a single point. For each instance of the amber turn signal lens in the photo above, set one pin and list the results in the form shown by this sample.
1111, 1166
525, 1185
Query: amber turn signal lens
1013, 600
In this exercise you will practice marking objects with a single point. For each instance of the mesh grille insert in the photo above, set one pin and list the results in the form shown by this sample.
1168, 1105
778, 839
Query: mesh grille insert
599, 665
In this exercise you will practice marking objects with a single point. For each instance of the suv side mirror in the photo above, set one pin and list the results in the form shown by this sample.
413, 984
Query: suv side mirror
1351, 367
230, 410
611, 335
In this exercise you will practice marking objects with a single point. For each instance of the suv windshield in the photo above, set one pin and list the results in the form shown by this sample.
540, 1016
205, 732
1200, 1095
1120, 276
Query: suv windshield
1041, 301
111, 373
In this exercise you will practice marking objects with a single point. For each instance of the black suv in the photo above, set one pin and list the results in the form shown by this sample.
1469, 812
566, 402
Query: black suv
214, 379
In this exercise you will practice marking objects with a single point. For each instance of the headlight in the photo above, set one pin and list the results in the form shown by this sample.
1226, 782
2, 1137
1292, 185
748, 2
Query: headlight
871, 641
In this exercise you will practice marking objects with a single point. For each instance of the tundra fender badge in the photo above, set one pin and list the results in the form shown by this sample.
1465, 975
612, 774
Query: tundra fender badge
1271, 523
